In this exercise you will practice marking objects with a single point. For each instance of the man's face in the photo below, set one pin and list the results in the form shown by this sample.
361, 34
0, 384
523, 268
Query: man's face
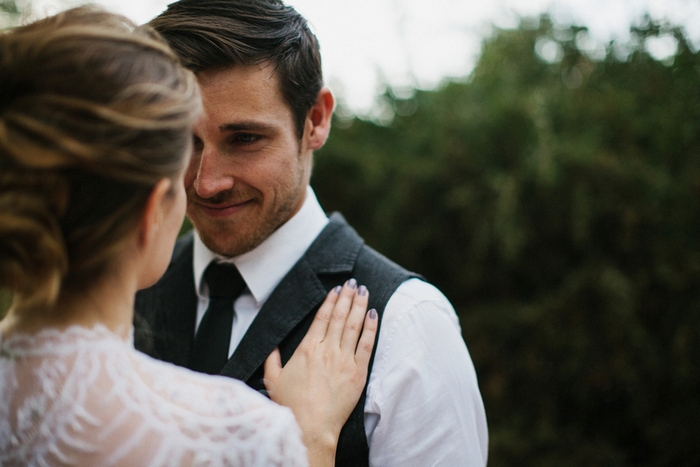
248, 173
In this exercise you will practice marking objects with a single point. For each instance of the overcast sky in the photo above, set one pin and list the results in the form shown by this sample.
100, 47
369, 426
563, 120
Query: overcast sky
419, 43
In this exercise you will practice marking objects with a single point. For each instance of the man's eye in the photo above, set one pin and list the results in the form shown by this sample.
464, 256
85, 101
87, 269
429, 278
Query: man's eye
246, 138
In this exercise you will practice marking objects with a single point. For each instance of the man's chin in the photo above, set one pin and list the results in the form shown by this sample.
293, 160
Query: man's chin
228, 241
236, 235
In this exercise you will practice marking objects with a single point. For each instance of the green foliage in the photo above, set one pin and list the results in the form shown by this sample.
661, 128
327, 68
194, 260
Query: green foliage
556, 203
10, 12
9, 7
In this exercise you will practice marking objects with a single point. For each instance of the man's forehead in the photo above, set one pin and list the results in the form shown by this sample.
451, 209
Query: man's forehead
265, 71
242, 98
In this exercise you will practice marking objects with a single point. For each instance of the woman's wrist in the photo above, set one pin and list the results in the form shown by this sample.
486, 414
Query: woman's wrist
321, 448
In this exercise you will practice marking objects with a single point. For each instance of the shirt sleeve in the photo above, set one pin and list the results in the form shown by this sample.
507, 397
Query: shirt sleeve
423, 402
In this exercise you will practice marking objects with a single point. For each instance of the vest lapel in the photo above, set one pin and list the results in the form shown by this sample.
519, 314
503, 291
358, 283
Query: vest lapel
300, 293
287, 306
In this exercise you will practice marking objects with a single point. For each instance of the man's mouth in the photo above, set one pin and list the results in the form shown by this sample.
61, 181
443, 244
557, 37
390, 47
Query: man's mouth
225, 209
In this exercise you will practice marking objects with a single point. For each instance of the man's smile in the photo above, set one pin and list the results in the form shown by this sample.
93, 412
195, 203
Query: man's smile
225, 209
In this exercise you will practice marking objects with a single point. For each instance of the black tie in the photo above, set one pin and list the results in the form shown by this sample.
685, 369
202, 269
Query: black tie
213, 337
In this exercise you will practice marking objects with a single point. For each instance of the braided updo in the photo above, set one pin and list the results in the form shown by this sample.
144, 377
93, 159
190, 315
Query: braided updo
94, 111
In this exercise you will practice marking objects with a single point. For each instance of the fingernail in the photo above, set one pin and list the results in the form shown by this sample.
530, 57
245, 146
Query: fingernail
352, 283
372, 314
337, 289
362, 291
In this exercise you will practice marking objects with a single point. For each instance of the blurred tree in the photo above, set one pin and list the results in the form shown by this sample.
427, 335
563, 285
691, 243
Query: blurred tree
554, 197
10, 12
9, 7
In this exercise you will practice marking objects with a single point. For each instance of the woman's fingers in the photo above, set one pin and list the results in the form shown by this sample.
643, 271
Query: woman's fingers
272, 370
366, 343
355, 320
341, 312
339, 320
319, 326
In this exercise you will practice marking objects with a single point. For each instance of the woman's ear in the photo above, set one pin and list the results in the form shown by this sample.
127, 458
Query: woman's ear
153, 213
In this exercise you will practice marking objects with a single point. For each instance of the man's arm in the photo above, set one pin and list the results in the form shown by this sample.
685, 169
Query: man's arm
423, 402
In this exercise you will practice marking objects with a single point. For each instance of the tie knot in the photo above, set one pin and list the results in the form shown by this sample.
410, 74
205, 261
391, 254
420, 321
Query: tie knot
224, 280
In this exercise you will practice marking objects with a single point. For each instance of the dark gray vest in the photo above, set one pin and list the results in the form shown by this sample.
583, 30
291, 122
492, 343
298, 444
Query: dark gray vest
165, 313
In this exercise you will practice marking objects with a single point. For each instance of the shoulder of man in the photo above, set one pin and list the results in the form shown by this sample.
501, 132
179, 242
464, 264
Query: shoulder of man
340, 248
339, 243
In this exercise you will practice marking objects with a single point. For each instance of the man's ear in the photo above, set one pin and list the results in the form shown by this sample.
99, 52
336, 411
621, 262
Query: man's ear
152, 215
318, 120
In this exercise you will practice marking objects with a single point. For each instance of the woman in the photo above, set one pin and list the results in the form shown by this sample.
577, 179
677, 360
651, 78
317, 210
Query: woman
95, 120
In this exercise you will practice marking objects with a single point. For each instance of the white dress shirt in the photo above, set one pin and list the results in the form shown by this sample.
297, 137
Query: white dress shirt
423, 405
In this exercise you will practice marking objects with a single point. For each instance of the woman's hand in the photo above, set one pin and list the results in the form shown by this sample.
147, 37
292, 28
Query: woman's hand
323, 380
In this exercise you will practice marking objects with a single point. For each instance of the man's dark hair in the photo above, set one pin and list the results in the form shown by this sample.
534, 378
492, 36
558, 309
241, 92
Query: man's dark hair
208, 34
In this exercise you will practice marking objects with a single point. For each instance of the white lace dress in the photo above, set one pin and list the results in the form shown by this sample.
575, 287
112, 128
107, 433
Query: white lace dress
86, 397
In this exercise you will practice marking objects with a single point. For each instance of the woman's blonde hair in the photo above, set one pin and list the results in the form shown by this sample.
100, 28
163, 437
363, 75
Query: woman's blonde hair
94, 111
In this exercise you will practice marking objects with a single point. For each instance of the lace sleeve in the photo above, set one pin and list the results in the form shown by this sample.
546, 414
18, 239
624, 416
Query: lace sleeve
96, 401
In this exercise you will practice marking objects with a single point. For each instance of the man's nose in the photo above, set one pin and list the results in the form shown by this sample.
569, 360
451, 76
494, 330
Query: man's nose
212, 175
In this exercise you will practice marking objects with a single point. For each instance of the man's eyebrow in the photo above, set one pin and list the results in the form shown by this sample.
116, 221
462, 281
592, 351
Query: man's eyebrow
244, 126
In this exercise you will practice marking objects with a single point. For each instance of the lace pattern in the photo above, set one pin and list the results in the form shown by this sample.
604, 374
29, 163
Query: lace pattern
85, 397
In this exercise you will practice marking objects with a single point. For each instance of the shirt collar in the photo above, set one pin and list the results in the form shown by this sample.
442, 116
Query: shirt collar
264, 267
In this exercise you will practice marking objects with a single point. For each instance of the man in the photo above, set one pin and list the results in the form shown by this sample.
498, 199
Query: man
265, 112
